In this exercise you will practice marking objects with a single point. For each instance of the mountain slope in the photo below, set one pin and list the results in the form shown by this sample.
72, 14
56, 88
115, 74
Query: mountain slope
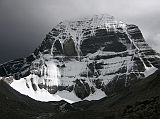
141, 100
14, 105
86, 59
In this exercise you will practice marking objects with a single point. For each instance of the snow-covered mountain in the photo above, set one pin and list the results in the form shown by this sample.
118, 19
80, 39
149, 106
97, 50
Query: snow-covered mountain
85, 59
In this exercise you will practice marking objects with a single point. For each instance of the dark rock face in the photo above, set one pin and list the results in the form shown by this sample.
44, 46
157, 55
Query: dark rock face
16, 68
85, 56
103, 39
46, 44
58, 48
69, 48
81, 89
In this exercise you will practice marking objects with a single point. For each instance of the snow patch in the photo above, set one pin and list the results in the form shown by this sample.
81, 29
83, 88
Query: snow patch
149, 71
68, 95
40, 94
97, 95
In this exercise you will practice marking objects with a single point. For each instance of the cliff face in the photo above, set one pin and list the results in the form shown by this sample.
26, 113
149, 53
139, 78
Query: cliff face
84, 59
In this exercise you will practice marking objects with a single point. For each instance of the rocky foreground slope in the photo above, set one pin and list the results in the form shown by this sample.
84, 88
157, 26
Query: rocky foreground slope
139, 101
86, 59
14, 105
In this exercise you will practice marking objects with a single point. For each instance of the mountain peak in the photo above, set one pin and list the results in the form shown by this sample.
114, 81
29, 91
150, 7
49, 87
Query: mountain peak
96, 17
95, 21
84, 59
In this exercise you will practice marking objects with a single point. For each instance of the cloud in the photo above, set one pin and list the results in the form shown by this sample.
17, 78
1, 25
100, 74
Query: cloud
155, 42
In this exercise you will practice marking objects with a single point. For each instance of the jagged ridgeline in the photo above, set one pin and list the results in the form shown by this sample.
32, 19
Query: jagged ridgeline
85, 59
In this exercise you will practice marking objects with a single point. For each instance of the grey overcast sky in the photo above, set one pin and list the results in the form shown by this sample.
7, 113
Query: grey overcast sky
24, 23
